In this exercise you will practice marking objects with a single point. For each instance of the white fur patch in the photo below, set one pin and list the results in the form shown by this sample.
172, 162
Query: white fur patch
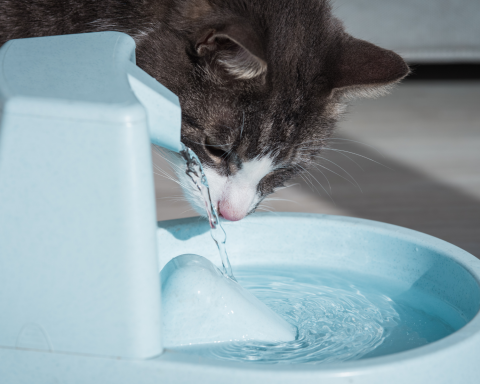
239, 191
243, 64
216, 184
237, 195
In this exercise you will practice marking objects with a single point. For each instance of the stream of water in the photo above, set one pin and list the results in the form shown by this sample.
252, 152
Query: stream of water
195, 172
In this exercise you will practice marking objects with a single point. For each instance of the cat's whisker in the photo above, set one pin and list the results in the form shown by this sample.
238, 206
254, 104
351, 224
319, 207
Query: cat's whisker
353, 160
330, 161
162, 173
321, 142
307, 181
359, 142
354, 183
310, 174
326, 178
226, 154
356, 154
188, 210
277, 199
161, 170
341, 153
171, 197
169, 177
191, 194
177, 201
171, 163
265, 208
286, 186
209, 145
321, 185
165, 172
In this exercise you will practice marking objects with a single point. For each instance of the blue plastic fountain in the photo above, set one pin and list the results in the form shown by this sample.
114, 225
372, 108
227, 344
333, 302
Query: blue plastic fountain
80, 251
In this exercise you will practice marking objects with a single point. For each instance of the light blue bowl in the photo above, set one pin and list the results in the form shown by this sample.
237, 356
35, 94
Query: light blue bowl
414, 259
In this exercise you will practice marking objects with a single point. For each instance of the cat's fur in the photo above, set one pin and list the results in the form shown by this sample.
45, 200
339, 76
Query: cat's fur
261, 82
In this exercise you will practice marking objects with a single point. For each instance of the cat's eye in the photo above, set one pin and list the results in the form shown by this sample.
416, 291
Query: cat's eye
216, 149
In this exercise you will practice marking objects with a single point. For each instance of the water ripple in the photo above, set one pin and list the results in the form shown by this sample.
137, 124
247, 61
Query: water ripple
334, 324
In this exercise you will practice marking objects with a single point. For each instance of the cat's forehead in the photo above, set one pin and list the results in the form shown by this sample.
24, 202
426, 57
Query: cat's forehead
278, 123
296, 36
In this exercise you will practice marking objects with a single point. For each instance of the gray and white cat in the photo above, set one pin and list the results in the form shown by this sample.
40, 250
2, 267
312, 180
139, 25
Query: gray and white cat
261, 82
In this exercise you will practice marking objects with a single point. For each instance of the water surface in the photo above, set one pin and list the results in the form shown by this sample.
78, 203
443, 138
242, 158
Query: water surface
339, 316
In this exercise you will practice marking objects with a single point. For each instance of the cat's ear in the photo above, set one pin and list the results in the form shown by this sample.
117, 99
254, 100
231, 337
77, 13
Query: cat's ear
365, 70
236, 48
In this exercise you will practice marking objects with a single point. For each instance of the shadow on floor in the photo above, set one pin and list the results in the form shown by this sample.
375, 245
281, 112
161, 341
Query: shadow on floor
397, 194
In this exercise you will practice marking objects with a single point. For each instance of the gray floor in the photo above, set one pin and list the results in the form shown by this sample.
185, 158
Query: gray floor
424, 144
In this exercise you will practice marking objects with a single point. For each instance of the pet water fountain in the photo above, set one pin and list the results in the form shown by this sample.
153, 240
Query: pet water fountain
82, 299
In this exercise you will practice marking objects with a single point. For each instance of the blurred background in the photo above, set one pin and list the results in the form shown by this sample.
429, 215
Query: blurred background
411, 158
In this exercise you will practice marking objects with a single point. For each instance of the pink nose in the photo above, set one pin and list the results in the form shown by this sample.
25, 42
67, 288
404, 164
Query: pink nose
230, 212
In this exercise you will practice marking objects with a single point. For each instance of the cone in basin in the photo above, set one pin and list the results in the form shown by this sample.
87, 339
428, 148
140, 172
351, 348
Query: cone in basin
200, 305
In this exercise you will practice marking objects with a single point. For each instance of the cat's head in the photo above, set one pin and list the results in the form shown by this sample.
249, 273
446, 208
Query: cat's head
261, 85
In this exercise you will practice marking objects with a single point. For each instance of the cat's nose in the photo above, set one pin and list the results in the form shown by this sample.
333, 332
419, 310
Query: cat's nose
232, 212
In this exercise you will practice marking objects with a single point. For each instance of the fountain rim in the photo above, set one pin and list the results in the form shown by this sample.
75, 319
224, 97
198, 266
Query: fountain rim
430, 351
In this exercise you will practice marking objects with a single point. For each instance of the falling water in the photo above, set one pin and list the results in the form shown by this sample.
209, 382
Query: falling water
195, 172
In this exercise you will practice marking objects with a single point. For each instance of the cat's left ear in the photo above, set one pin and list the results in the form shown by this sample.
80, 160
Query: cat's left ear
236, 48
365, 70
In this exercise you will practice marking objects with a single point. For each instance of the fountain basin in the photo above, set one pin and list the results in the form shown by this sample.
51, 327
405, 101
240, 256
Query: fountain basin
412, 260
408, 258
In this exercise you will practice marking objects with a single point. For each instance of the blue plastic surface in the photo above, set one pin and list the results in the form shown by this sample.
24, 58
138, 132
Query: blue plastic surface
78, 268
90, 78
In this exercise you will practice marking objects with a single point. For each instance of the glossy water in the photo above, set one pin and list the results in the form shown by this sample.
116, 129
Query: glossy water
195, 172
339, 317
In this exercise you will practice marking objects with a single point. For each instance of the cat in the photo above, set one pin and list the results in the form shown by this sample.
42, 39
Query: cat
261, 83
